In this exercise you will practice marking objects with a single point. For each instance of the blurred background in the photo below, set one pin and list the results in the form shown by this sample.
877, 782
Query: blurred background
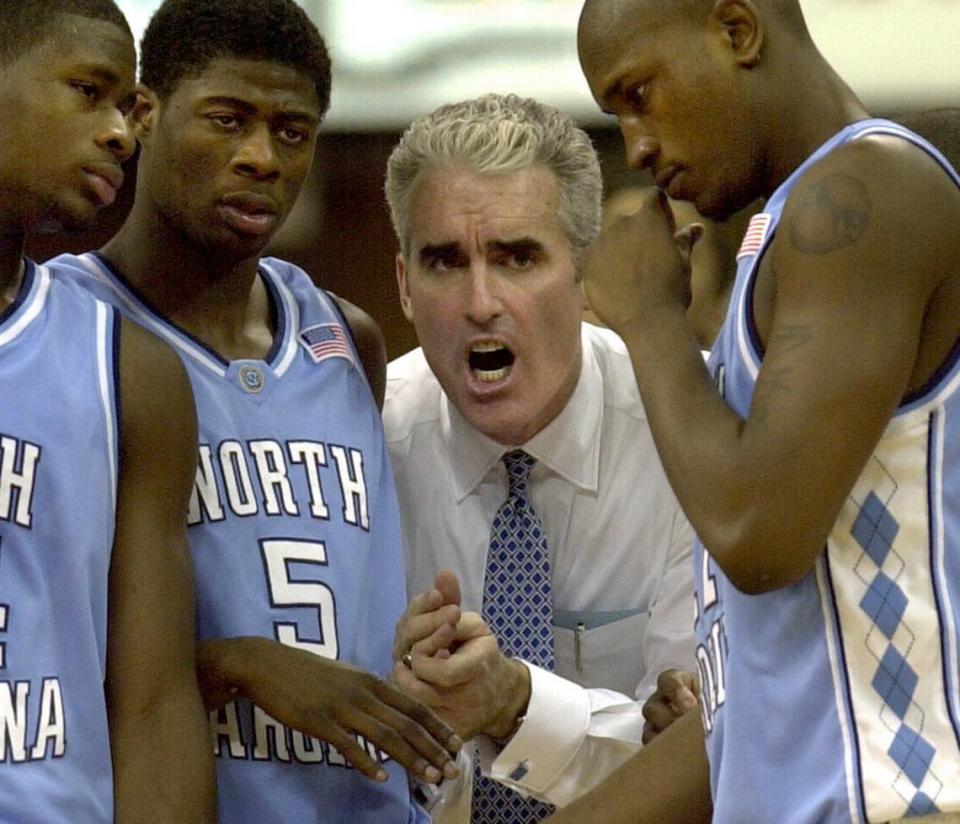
396, 59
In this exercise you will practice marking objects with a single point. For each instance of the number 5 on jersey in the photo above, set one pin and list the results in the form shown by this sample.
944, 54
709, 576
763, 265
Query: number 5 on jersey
286, 591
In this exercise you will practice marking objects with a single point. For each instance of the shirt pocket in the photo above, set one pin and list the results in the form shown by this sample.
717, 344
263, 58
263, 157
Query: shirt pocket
610, 655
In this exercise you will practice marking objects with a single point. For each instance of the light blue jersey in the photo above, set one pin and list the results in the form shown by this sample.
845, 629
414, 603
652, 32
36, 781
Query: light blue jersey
295, 536
837, 699
58, 475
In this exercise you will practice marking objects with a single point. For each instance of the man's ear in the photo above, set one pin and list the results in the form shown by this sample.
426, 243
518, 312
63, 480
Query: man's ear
145, 113
740, 24
405, 302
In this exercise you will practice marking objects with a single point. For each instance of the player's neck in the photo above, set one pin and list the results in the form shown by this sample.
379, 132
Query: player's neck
822, 104
221, 303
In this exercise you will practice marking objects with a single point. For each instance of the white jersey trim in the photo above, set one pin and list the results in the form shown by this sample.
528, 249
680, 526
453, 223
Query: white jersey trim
105, 375
838, 670
951, 654
32, 307
751, 359
292, 317
148, 319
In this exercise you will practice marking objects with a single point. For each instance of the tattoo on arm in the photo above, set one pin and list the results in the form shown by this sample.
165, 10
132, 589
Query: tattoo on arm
831, 213
775, 379
792, 337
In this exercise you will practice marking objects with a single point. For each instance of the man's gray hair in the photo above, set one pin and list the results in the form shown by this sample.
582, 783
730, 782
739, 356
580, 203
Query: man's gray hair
498, 134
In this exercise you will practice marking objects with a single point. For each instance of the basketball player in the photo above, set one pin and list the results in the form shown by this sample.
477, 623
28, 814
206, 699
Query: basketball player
96, 645
293, 520
817, 455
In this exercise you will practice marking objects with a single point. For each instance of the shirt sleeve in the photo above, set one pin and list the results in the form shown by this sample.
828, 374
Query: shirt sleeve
571, 737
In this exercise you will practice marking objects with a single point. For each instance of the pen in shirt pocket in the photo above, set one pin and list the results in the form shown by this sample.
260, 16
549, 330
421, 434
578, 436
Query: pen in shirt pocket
578, 634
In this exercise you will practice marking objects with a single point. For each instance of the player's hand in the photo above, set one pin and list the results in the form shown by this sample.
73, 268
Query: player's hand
475, 689
335, 702
677, 693
639, 264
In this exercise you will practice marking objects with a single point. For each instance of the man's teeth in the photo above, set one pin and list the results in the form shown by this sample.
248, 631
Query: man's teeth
490, 360
492, 375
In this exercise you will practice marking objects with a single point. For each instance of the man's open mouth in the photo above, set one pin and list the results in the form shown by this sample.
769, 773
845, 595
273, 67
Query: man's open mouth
490, 361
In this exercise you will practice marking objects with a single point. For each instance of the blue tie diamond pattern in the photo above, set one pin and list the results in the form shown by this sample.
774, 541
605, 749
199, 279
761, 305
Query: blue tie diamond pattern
517, 598
518, 606
895, 681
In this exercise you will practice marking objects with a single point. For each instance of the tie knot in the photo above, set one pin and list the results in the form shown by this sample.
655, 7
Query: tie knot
518, 464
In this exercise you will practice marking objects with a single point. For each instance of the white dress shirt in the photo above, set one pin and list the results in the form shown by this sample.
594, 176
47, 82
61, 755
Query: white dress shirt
620, 553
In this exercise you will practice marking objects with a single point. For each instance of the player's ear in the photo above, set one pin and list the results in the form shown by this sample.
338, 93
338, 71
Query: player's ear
144, 113
740, 25
405, 302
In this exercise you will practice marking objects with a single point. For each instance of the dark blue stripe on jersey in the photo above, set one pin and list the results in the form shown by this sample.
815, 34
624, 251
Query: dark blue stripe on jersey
949, 678
276, 311
114, 350
932, 383
752, 332
29, 274
954, 355
346, 324
116, 275
845, 686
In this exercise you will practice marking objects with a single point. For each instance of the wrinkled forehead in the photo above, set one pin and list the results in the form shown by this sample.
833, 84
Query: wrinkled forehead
447, 203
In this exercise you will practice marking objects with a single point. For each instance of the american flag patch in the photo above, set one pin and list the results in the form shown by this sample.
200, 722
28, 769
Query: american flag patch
328, 340
756, 235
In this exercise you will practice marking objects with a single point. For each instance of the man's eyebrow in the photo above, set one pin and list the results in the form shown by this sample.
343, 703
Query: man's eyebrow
612, 91
520, 244
247, 107
435, 250
101, 72
232, 102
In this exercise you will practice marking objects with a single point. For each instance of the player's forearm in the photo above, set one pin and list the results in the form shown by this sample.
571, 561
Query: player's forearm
698, 437
225, 667
745, 486
665, 782
163, 763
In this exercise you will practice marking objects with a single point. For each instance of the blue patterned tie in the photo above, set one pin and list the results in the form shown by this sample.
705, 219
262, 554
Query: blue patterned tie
518, 606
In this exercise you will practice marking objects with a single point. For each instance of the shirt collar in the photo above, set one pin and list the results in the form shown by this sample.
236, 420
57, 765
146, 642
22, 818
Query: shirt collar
569, 445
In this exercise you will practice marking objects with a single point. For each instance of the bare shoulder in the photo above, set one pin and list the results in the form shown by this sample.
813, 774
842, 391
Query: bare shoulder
363, 326
371, 345
881, 194
868, 241
156, 400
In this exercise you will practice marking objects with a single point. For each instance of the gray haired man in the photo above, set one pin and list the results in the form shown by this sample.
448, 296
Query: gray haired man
551, 557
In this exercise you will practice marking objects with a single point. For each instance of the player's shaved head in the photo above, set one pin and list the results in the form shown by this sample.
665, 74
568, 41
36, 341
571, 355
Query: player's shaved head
603, 18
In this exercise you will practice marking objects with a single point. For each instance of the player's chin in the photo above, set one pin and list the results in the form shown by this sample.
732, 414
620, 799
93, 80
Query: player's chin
711, 205
70, 218
233, 243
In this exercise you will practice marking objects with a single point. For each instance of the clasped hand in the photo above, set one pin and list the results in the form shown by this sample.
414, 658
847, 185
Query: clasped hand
454, 666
